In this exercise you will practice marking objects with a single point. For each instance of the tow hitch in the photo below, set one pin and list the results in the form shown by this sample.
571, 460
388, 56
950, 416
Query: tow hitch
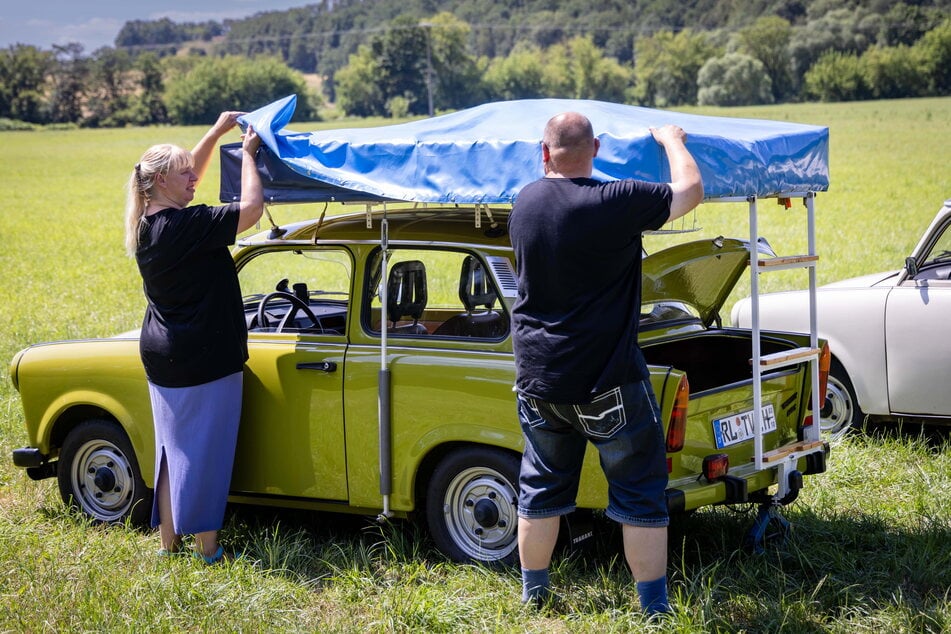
769, 527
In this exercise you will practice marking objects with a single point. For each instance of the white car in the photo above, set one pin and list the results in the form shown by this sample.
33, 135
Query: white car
889, 333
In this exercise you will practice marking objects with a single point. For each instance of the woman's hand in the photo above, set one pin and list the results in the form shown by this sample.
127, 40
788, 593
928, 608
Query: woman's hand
226, 121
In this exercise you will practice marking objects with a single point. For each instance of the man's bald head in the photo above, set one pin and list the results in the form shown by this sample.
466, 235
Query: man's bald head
569, 145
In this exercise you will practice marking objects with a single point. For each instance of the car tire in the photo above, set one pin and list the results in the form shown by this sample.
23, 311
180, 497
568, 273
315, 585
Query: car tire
98, 474
472, 505
840, 412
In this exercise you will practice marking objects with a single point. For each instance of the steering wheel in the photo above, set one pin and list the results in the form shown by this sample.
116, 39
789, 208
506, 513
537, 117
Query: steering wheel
297, 304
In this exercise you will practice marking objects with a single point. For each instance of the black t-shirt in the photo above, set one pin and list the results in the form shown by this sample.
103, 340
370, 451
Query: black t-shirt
194, 329
577, 248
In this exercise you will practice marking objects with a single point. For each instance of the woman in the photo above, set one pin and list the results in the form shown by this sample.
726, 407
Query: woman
194, 338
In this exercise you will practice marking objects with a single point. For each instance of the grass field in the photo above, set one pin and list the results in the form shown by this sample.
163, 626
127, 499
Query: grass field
871, 549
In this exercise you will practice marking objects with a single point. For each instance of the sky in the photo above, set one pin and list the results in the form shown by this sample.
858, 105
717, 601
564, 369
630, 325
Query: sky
95, 23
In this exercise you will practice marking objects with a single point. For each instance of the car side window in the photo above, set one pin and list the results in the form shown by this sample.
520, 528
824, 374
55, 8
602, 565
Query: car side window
297, 290
937, 264
435, 293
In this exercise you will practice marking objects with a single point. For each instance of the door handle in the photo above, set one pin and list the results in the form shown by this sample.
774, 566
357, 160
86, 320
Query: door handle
322, 366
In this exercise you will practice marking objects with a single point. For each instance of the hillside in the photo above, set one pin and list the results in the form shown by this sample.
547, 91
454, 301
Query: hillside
320, 37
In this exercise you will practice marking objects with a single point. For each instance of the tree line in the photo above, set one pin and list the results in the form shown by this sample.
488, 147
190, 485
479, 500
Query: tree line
392, 59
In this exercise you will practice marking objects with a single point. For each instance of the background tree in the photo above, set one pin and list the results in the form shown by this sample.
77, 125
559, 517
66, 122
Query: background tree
845, 30
69, 82
934, 49
457, 76
666, 67
595, 76
111, 88
23, 82
837, 77
519, 75
197, 92
767, 40
400, 54
735, 79
152, 85
893, 72
358, 93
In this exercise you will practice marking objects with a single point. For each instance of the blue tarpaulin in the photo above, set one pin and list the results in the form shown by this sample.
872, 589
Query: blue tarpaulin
486, 154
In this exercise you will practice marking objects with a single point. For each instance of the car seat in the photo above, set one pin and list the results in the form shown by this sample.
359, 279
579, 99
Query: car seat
406, 297
475, 291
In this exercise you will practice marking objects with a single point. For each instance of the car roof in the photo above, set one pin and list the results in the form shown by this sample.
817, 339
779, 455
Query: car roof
456, 224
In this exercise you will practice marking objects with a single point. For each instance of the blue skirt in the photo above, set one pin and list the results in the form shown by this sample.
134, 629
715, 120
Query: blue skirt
196, 432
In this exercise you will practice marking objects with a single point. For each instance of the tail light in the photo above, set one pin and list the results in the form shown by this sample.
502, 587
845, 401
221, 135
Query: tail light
677, 428
715, 466
825, 361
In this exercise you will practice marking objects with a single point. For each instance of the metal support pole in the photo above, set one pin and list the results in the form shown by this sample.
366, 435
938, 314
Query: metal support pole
383, 414
755, 335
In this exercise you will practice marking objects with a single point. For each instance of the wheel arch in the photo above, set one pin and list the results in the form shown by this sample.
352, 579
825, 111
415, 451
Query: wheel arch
432, 458
69, 417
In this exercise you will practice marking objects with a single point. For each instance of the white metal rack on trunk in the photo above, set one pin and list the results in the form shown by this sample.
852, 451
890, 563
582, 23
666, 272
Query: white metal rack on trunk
785, 458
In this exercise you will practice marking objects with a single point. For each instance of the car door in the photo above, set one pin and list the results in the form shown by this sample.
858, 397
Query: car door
918, 334
450, 363
291, 440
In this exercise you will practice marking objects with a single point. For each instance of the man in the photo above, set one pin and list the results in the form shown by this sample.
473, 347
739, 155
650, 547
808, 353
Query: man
580, 375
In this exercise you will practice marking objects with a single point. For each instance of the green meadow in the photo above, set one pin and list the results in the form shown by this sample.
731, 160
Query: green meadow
871, 545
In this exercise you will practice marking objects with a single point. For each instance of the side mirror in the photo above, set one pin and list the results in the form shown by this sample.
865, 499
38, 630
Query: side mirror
911, 266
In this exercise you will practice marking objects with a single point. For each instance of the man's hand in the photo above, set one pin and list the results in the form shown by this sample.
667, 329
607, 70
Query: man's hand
669, 134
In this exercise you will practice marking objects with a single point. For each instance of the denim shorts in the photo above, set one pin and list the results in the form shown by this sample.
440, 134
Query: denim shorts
624, 425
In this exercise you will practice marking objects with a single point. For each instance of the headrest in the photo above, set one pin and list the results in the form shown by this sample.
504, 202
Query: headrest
406, 290
474, 287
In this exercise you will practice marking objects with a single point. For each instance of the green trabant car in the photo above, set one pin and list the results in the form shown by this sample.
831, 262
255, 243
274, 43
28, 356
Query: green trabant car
326, 326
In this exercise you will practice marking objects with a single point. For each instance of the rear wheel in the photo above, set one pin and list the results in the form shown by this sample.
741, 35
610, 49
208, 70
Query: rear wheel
472, 505
841, 409
99, 474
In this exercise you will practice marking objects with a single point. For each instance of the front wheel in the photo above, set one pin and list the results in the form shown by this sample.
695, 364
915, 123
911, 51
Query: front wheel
840, 412
472, 505
99, 474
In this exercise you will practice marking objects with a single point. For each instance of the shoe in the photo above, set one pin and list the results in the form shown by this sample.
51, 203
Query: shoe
162, 553
214, 559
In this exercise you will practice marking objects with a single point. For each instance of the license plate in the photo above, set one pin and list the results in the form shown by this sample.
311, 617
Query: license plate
739, 427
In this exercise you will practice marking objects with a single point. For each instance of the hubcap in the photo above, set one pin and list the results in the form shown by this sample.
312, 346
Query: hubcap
102, 480
480, 512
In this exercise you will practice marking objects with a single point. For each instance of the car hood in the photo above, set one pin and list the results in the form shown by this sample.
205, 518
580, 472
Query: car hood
864, 281
700, 274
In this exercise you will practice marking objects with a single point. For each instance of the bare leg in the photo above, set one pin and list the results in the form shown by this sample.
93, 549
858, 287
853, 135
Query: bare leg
171, 542
207, 543
645, 550
536, 541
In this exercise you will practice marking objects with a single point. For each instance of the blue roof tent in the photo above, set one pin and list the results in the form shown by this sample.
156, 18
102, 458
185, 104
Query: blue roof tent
486, 154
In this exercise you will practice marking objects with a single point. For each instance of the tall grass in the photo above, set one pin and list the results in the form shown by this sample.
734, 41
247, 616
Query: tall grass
869, 550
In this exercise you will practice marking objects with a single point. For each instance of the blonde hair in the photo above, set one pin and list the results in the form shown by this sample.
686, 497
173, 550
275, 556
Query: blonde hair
158, 159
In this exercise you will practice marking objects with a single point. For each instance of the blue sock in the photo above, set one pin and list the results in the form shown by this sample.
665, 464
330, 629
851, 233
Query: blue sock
535, 586
653, 595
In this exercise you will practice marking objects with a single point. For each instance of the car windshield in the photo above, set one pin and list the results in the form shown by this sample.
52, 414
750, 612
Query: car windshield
320, 273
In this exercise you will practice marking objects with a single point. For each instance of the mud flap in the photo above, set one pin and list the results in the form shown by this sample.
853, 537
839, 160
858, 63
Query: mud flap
769, 527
